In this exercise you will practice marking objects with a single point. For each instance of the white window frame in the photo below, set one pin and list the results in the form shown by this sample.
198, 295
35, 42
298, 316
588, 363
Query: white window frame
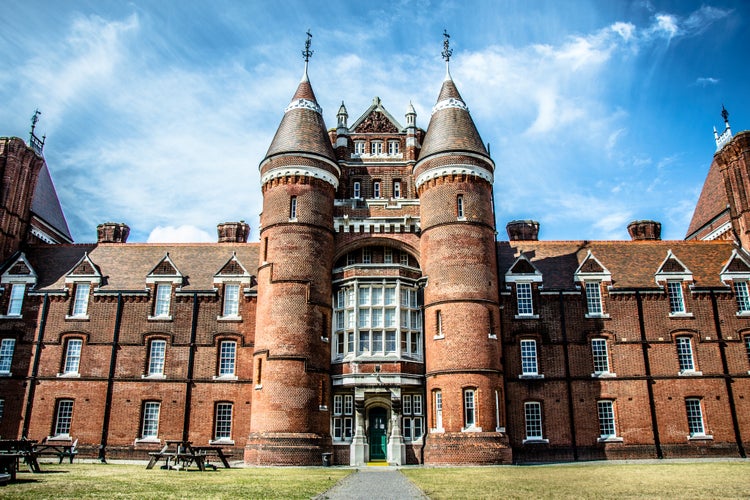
342, 422
525, 299
376, 148
533, 422
162, 301
470, 409
695, 419
594, 303
72, 361
387, 255
686, 356
376, 191
529, 359
80, 306
223, 414
397, 189
157, 354
7, 348
150, 421
676, 298
227, 364
600, 356
231, 307
460, 207
359, 148
63, 418
393, 148
437, 401
357, 190
293, 208
15, 302
743, 298
607, 424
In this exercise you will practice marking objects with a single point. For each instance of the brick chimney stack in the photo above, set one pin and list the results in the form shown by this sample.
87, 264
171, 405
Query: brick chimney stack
112, 232
642, 230
522, 230
233, 232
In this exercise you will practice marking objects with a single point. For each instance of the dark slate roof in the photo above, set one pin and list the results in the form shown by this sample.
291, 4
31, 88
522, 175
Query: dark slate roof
124, 267
451, 129
712, 201
46, 205
302, 130
633, 264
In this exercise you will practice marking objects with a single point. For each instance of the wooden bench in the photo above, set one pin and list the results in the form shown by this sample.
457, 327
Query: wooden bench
213, 451
59, 449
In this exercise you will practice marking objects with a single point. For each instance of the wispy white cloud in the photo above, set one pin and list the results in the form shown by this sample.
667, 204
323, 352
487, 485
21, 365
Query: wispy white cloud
705, 81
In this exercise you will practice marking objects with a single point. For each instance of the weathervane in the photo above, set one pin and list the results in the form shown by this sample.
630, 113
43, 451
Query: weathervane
447, 51
724, 113
36, 143
307, 53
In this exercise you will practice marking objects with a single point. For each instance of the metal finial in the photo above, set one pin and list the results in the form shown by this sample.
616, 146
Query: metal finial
35, 119
724, 113
307, 53
447, 51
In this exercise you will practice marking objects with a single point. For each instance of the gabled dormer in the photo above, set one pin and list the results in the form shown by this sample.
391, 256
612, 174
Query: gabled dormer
674, 276
592, 276
736, 273
17, 279
522, 278
163, 280
231, 281
79, 281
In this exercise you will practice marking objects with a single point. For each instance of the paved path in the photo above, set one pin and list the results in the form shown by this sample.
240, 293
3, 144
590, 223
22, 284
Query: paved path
370, 483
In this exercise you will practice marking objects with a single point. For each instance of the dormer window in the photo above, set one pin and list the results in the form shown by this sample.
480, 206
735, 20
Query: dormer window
231, 299
81, 300
676, 301
742, 296
524, 299
672, 274
163, 300
229, 281
592, 275
15, 279
16, 299
736, 273
523, 274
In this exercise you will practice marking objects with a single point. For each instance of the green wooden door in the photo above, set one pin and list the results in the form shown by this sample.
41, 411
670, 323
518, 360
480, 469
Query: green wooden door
377, 433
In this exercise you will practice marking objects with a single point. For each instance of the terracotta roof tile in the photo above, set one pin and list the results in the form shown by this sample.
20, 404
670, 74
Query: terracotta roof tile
125, 266
633, 264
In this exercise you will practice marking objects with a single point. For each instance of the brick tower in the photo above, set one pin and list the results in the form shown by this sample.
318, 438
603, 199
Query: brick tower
464, 374
299, 177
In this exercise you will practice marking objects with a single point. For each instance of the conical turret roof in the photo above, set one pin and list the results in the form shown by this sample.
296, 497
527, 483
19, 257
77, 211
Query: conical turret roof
302, 130
451, 127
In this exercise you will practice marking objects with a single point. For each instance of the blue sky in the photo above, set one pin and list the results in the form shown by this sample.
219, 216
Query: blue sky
157, 114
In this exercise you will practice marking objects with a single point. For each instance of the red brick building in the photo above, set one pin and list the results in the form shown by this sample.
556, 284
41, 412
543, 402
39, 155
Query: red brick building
378, 317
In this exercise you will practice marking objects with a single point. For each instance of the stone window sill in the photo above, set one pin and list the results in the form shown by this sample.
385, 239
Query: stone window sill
229, 319
81, 317
221, 442
154, 376
526, 316
225, 377
610, 439
597, 316
690, 373
69, 375
535, 441
438, 337
682, 315
471, 429
701, 437
11, 316
148, 440
160, 318
603, 375
743, 314
437, 431
531, 376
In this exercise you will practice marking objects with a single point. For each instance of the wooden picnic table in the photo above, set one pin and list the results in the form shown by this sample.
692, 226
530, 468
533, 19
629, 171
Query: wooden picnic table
9, 464
212, 451
60, 449
21, 448
181, 455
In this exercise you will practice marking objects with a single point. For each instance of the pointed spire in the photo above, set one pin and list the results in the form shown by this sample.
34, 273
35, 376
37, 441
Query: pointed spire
342, 116
451, 127
302, 130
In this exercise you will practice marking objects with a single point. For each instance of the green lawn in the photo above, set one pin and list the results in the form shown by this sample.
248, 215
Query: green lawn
593, 480
134, 481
